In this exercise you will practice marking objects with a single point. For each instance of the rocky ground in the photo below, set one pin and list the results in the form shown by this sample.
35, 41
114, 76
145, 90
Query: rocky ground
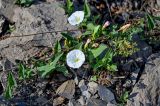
48, 15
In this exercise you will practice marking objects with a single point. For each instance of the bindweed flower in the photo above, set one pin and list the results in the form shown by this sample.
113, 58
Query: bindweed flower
106, 24
75, 58
76, 18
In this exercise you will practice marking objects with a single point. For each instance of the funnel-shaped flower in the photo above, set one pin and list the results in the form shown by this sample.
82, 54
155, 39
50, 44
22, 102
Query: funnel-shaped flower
75, 58
76, 18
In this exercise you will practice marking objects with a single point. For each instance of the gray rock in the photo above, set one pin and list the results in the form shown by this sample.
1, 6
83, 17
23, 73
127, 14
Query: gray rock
82, 86
5, 64
39, 18
96, 102
137, 60
13, 53
7, 8
2, 22
111, 104
158, 2
146, 92
140, 56
105, 94
0, 4
144, 50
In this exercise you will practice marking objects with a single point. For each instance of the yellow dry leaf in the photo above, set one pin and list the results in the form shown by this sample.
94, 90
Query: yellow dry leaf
124, 27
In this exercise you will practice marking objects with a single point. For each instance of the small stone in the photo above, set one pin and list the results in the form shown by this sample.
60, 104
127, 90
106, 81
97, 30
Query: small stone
82, 86
67, 89
105, 94
58, 101
92, 87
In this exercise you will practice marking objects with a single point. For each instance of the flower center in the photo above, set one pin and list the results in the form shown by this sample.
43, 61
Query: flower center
77, 19
76, 60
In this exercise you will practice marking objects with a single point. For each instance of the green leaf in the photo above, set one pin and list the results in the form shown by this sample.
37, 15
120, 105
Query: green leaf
96, 31
69, 6
11, 80
57, 48
11, 83
21, 71
24, 72
87, 10
97, 65
62, 69
90, 26
25, 3
8, 93
46, 69
87, 33
150, 22
29, 73
93, 78
67, 36
79, 46
96, 52
124, 97
112, 67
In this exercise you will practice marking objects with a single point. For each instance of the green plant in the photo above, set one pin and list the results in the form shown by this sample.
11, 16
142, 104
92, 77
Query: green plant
150, 22
123, 47
69, 7
49, 67
11, 28
24, 3
11, 83
123, 99
24, 72
106, 62
87, 10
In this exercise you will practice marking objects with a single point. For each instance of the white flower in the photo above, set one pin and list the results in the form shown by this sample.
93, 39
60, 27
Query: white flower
76, 18
75, 58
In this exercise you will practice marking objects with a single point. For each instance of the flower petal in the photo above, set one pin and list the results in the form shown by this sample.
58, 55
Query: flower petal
76, 18
72, 56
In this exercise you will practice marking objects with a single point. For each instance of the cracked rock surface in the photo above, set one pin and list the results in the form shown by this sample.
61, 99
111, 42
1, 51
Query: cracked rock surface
147, 91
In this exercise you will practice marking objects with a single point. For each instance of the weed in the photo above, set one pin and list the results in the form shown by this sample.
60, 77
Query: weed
24, 3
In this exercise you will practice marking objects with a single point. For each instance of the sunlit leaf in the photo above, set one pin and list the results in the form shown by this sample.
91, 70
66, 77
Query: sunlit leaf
96, 31
90, 26
46, 69
97, 51
124, 27
93, 78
